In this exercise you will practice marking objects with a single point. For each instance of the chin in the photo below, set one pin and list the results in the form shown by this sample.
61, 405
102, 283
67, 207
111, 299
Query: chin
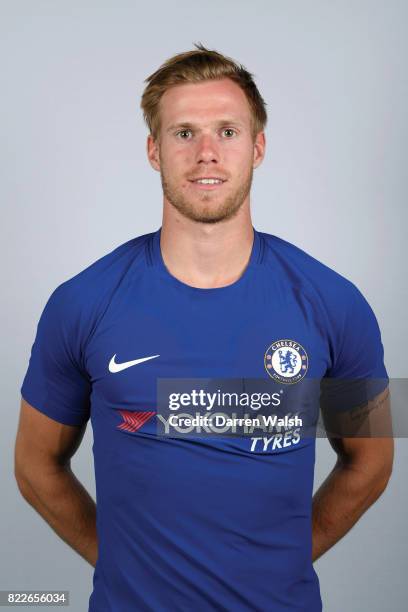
207, 215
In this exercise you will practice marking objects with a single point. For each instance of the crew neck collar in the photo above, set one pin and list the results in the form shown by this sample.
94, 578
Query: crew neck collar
158, 262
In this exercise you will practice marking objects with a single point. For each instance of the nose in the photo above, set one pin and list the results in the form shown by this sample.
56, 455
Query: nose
207, 149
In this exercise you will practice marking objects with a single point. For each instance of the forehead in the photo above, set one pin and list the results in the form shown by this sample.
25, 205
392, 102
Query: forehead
203, 102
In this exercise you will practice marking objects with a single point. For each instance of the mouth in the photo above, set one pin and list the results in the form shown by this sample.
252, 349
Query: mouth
208, 183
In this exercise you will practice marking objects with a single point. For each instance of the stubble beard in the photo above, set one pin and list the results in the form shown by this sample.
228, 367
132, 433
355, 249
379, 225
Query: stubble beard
206, 208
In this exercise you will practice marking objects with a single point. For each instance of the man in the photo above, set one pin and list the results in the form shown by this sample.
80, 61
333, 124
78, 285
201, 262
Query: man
198, 523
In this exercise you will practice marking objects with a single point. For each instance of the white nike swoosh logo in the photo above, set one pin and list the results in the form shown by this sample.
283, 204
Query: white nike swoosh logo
118, 367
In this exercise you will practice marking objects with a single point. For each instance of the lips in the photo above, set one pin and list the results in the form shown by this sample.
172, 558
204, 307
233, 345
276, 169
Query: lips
201, 178
207, 186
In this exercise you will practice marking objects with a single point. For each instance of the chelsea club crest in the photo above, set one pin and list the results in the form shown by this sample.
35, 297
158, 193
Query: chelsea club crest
286, 361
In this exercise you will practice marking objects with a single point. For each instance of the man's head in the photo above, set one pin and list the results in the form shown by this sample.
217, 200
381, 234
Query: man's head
206, 120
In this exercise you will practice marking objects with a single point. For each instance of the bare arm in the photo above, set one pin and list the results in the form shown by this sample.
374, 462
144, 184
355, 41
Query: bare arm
361, 474
43, 473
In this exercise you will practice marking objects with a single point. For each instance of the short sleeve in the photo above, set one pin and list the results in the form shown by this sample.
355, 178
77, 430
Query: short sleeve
357, 373
56, 382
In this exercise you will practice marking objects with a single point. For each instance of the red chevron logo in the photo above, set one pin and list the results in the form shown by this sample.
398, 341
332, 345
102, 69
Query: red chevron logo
132, 421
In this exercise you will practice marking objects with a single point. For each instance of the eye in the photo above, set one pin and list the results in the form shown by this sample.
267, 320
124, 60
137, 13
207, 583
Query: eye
181, 133
229, 132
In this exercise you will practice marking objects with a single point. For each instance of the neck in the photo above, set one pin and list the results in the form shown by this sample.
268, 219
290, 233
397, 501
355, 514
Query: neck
206, 255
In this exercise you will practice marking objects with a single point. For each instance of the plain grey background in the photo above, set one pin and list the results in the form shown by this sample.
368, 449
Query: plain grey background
76, 183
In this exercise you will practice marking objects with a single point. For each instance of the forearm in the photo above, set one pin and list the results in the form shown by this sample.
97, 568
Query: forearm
64, 503
339, 502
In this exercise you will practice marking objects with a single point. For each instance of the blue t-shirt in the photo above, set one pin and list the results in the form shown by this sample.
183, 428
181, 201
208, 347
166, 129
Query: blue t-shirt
201, 523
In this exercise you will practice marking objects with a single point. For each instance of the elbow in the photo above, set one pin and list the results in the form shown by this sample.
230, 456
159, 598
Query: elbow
383, 479
23, 485
23, 475
368, 482
385, 471
377, 484
371, 463
22, 480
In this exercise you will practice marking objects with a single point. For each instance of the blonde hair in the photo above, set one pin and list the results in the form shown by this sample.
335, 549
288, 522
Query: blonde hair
193, 67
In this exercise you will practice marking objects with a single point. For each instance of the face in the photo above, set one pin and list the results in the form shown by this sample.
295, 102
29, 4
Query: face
206, 152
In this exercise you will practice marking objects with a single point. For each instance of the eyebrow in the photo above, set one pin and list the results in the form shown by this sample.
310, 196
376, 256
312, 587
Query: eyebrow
190, 125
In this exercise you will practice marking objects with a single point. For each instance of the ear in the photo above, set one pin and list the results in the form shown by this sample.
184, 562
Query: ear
153, 152
259, 149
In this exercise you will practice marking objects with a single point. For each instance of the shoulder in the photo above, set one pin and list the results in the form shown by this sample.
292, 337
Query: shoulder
341, 309
104, 273
339, 306
79, 301
313, 277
